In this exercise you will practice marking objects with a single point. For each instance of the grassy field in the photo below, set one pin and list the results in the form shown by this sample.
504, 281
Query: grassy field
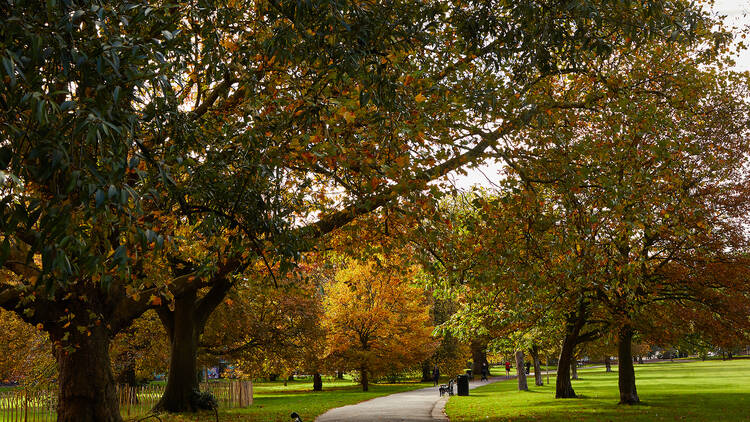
274, 402
689, 391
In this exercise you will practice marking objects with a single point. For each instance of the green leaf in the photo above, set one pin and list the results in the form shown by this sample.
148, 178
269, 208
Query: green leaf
10, 71
6, 154
99, 198
67, 105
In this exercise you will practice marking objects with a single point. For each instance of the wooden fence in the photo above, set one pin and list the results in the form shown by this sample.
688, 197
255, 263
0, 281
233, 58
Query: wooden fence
231, 394
20, 405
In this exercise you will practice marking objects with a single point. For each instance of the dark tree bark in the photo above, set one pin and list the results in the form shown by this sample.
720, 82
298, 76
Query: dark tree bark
573, 337
608, 364
478, 355
317, 382
521, 371
626, 372
563, 387
184, 332
86, 385
86, 391
363, 378
426, 371
184, 327
534, 352
340, 375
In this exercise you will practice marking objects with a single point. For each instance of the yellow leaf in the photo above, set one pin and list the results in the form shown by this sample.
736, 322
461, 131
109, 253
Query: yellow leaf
348, 116
420, 98
155, 300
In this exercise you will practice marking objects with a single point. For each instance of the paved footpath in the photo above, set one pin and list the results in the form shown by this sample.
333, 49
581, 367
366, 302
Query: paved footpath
423, 405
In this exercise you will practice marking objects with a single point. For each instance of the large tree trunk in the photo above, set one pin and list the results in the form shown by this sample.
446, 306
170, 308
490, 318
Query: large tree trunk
478, 355
184, 332
317, 382
86, 388
363, 378
534, 352
573, 326
563, 387
626, 372
521, 371
184, 327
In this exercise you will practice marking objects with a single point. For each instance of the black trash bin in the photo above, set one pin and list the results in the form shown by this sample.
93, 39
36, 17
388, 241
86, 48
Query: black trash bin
463, 385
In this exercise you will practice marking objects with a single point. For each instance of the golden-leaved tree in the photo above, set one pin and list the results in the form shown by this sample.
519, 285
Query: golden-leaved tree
376, 320
24, 351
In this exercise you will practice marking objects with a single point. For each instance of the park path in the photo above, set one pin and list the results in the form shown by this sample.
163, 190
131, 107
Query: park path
423, 405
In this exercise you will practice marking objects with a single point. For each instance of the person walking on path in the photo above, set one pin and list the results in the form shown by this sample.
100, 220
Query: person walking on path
507, 369
485, 371
436, 375
528, 368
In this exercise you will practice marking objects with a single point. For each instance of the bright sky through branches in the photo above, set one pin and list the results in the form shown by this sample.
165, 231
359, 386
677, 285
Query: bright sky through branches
737, 14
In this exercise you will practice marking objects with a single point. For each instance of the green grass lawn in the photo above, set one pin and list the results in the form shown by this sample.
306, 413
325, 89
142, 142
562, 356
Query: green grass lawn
274, 402
690, 391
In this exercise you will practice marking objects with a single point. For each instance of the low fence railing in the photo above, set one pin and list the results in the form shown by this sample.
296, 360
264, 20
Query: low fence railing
39, 405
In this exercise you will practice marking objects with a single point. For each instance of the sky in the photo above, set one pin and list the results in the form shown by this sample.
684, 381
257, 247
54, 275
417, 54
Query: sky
737, 14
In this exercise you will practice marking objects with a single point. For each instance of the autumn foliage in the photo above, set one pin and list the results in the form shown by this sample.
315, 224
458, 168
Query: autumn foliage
376, 320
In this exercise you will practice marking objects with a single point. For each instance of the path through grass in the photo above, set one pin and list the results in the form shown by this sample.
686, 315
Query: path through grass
274, 402
690, 391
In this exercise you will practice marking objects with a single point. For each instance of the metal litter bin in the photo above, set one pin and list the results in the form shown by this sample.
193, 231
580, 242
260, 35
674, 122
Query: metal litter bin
463, 385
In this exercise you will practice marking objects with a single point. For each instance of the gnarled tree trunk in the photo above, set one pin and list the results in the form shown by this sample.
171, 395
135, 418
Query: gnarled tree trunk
626, 372
86, 391
521, 371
